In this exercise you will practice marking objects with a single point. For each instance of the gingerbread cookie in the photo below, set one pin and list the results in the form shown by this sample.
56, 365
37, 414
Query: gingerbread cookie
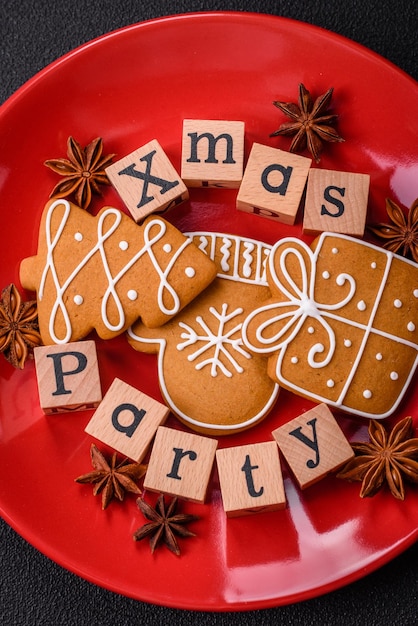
342, 324
103, 272
208, 378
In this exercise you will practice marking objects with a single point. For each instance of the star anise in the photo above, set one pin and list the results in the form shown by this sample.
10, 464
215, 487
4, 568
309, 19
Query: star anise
402, 233
311, 123
388, 457
19, 330
164, 524
83, 171
112, 479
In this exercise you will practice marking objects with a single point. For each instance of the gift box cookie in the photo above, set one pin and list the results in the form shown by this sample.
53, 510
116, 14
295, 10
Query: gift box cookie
342, 324
103, 272
208, 378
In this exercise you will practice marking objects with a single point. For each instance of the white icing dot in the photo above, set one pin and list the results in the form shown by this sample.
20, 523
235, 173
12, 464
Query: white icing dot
123, 245
397, 303
330, 383
167, 247
394, 375
367, 394
78, 236
294, 360
190, 272
311, 330
325, 275
361, 305
347, 343
132, 294
379, 356
373, 265
335, 251
411, 327
78, 299
415, 292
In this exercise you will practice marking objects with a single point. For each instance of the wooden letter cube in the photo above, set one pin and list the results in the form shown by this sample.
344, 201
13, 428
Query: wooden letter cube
127, 420
313, 445
212, 153
336, 202
68, 377
273, 183
147, 181
180, 464
251, 479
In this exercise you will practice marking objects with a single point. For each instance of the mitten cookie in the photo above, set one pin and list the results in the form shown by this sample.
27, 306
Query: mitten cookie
103, 272
208, 378
342, 324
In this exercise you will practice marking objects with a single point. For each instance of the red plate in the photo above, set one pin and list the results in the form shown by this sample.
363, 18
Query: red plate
129, 87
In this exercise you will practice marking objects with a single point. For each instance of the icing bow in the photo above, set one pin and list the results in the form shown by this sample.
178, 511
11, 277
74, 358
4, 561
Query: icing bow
272, 327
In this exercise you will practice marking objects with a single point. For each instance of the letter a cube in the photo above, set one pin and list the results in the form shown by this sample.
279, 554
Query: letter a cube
127, 420
212, 153
68, 377
180, 464
313, 444
147, 181
251, 479
273, 183
336, 202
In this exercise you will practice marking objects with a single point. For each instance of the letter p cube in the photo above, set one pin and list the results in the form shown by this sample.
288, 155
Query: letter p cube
68, 377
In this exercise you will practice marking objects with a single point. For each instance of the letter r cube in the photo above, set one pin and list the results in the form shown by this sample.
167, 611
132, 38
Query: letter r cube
68, 377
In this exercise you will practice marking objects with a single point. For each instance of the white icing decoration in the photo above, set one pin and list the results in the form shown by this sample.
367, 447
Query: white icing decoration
223, 343
379, 356
295, 313
311, 330
226, 254
252, 271
78, 236
330, 383
294, 360
123, 245
325, 275
78, 299
110, 292
132, 294
167, 247
190, 272
394, 375
347, 343
248, 258
367, 394
415, 292
397, 303
335, 251
373, 265
361, 305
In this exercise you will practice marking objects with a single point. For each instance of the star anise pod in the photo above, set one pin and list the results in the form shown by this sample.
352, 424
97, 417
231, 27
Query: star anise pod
165, 523
112, 479
19, 330
389, 457
402, 234
83, 171
311, 123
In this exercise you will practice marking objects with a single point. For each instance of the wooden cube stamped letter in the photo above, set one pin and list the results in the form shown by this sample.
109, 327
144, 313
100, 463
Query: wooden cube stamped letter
180, 464
273, 183
313, 445
212, 153
251, 479
68, 377
147, 181
336, 202
127, 420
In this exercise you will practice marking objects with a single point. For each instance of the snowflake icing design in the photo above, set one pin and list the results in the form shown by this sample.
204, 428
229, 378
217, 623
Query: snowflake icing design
222, 343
